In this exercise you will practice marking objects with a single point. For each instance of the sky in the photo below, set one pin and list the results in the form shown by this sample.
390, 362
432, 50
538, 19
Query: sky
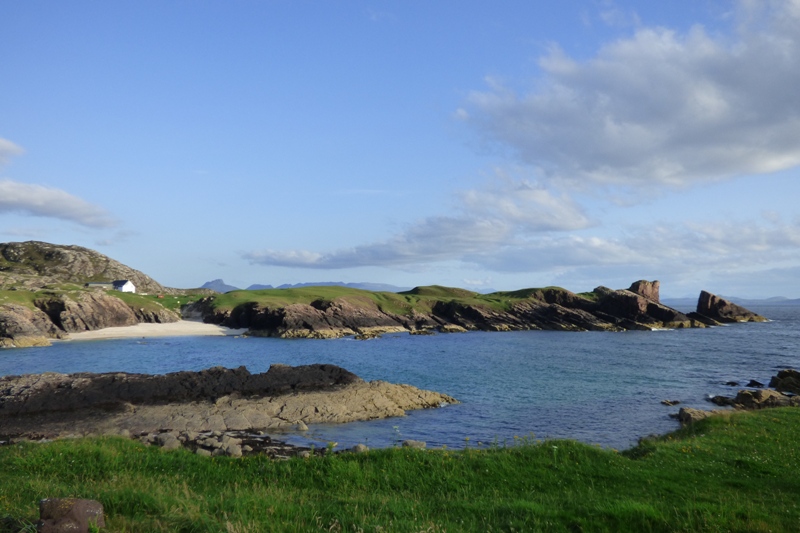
475, 144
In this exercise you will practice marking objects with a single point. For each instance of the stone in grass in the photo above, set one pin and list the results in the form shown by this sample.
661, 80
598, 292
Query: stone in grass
168, 441
359, 448
419, 444
73, 515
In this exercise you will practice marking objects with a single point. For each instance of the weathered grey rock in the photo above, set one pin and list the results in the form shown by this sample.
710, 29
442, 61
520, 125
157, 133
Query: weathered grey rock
359, 448
418, 444
203, 452
30, 404
689, 415
69, 515
47, 264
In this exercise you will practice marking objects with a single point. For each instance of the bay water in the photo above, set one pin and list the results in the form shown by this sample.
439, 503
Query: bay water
596, 387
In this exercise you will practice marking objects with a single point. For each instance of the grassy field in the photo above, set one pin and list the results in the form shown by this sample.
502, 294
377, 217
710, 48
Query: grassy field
420, 299
739, 473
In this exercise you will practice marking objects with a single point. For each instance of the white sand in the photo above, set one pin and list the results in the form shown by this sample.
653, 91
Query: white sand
174, 329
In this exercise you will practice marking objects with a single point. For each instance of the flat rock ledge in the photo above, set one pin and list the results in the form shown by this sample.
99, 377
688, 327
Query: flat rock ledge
208, 410
786, 383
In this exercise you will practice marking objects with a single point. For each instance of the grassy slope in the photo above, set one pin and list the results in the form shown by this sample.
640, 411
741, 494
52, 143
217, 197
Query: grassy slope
738, 473
420, 299
26, 298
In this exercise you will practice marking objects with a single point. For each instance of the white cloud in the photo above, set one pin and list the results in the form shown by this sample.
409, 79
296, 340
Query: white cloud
8, 150
40, 201
659, 106
489, 218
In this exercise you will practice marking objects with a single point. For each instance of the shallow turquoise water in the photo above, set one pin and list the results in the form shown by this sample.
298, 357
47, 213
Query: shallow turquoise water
602, 388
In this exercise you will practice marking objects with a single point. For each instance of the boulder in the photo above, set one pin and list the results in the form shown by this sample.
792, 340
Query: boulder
689, 415
69, 515
786, 381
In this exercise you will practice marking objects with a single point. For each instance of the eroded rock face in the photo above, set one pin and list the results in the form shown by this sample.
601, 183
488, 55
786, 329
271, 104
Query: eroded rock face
648, 289
213, 400
721, 310
22, 326
88, 311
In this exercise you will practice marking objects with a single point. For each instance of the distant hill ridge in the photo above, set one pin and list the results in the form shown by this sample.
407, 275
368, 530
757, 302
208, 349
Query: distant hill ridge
220, 286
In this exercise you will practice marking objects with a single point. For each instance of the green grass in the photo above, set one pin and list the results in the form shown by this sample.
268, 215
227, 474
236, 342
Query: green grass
420, 299
739, 473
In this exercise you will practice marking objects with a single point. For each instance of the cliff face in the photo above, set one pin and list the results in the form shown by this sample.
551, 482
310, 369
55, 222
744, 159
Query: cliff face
545, 309
42, 296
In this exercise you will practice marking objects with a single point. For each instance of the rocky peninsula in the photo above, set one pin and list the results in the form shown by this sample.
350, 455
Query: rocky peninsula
49, 291
322, 312
198, 405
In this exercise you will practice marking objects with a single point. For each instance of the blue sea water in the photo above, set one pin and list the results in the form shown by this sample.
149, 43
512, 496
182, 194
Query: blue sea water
596, 387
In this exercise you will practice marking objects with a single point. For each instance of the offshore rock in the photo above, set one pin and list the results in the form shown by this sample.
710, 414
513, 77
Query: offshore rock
786, 381
217, 399
710, 306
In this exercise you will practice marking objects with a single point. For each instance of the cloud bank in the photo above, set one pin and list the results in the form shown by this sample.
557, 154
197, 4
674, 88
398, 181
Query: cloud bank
659, 107
658, 110
40, 201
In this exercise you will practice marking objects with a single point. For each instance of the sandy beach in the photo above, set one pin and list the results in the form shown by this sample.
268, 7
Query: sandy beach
173, 329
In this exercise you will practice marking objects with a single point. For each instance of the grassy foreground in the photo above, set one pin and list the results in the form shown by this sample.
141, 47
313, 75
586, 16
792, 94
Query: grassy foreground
736, 473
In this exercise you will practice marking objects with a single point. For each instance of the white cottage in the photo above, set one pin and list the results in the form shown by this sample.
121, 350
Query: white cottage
124, 285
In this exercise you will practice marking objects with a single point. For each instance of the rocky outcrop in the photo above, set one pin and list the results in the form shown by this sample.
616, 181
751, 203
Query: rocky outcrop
448, 310
216, 399
34, 265
54, 315
715, 309
786, 381
22, 326
88, 311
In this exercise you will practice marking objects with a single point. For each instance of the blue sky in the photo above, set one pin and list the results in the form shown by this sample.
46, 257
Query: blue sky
474, 144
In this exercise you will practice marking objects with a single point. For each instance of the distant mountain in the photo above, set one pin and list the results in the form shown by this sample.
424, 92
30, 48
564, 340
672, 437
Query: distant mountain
219, 286
375, 287
258, 287
690, 303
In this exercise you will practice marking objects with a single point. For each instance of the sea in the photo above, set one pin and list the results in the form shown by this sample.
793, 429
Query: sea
601, 388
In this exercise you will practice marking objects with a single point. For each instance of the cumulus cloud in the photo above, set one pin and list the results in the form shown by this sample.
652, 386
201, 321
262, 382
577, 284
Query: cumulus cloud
40, 201
659, 106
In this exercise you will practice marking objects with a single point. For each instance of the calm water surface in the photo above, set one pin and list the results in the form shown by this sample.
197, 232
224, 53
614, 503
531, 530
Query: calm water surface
599, 388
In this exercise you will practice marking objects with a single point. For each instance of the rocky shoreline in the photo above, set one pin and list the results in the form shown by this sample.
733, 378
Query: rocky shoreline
214, 411
785, 392
454, 310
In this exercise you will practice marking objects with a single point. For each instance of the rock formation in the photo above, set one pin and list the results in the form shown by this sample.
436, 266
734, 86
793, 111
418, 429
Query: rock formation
713, 309
217, 399
43, 296
449, 310
34, 265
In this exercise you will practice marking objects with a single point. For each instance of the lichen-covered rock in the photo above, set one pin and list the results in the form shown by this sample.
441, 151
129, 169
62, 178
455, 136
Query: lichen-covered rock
69, 515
